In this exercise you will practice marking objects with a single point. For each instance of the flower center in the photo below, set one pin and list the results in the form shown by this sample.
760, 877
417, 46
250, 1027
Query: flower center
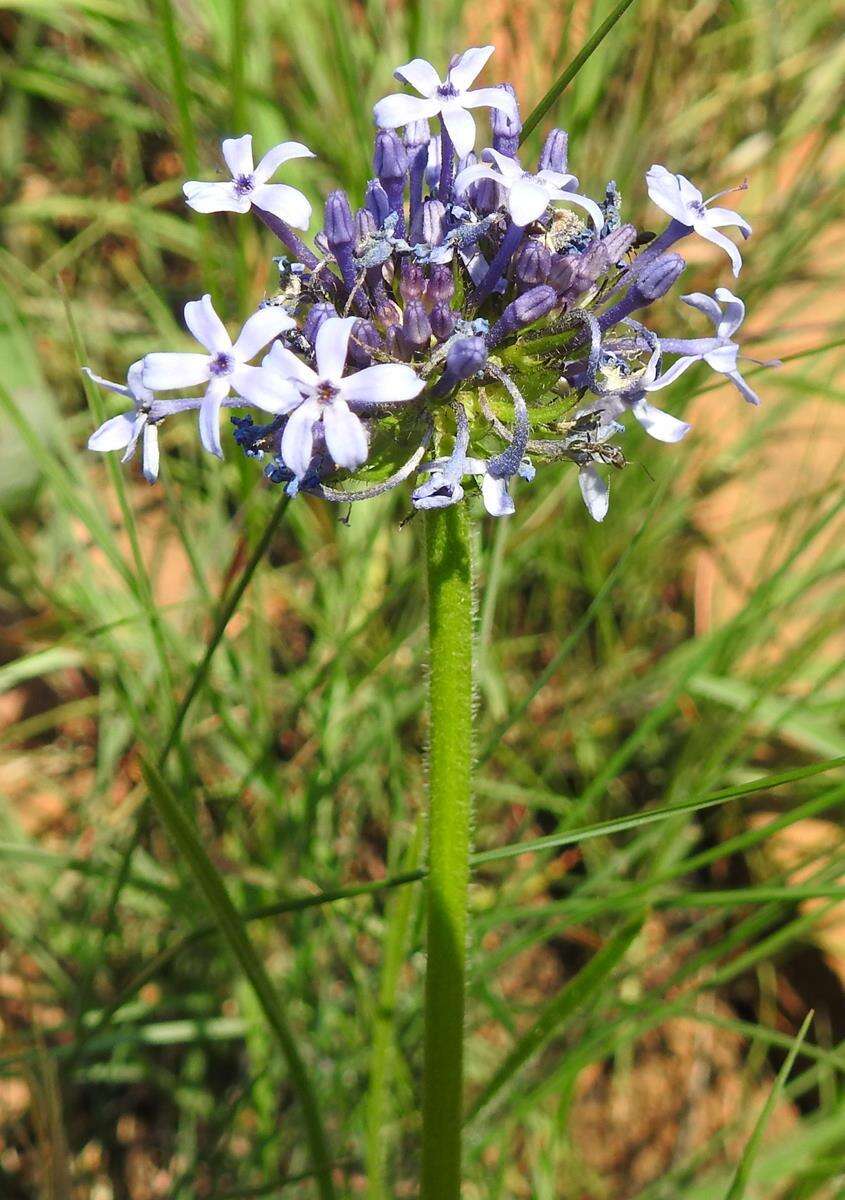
244, 185
447, 91
699, 208
326, 391
222, 364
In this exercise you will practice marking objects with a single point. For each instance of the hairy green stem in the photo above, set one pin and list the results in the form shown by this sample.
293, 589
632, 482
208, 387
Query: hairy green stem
450, 758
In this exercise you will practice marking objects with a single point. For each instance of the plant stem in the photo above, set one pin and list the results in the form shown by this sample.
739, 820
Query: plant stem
450, 758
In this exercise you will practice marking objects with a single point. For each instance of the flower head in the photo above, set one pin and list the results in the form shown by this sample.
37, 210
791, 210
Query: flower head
123, 431
450, 99
685, 204
223, 366
249, 184
528, 196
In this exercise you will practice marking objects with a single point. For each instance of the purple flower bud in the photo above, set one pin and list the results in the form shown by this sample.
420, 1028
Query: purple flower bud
416, 327
390, 161
375, 199
317, 314
365, 227
555, 153
417, 134
618, 242
441, 283
442, 321
562, 271
506, 131
394, 344
532, 263
485, 195
339, 225
430, 223
364, 338
526, 309
573, 274
659, 275
411, 280
466, 357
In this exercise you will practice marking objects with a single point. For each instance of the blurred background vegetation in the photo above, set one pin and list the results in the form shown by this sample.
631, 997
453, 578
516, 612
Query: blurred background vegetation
691, 643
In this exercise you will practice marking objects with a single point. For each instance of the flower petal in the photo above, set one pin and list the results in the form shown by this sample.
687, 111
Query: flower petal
733, 315
584, 202
420, 75
497, 500
204, 323
209, 419
346, 437
237, 154
723, 358
119, 389
135, 382
472, 174
214, 197
113, 434
298, 438
259, 329
717, 217
658, 424
527, 201
469, 65
399, 109
332, 345
287, 364
509, 167
595, 492
718, 239
168, 370
705, 304
677, 368
149, 452
492, 97
665, 191
266, 389
461, 128
747, 393
385, 383
278, 155
285, 202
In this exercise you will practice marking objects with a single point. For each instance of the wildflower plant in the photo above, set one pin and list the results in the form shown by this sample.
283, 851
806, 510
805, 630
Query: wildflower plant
474, 317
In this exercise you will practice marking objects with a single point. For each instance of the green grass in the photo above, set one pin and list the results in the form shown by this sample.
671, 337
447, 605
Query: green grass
622, 879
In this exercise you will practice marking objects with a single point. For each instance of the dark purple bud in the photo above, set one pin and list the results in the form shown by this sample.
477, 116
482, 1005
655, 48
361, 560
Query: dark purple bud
618, 242
532, 263
388, 313
441, 283
525, 310
365, 227
364, 338
339, 224
429, 223
417, 134
555, 153
394, 344
485, 195
318, 313
574, 274
416, 327
466, 357
506, 130
390, 160
411, 281
375, 199
442, 321
562, 271
659, 275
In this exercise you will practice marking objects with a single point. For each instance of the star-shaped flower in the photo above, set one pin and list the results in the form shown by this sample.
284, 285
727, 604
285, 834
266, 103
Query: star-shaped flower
684, 203
449, 99
122, 432
248, 185
727, 312
223, 366
528, 196
323, 397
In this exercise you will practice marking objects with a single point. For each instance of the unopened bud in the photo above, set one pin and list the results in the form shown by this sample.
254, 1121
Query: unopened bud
532, 263
339, 223
411, 280
416, 327
390, 161
442, 321
531, 306
555, 153
466, 357
375, 199
658, 276
364, 338
317, 314
417, 134
441, 283
506, 127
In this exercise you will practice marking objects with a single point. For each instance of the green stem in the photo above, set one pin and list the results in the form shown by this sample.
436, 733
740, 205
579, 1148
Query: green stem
450, 759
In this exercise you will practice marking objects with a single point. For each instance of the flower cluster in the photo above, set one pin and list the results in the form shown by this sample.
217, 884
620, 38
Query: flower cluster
470, 318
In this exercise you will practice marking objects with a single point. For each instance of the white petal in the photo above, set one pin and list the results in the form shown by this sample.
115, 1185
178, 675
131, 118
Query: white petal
149, 452
717, 217
584, 202
206, 326
734, 312
286, 363
496, 498
331, 346
214, 197
718, 239
266, 389
664, 188
135, 381
237, 154
298, 438
385, 383
472, 174
259, 329
677, 368
119, 389
420, 75
595, 491
165, 371
461, 128
210, 415
527, 201
274, 158
138, 426
113, 434
723, 358
748, 393
556, 179
658, 424
469, 65
399, 109
494, 97
509, 167
346, 437
284, 202
705, 304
